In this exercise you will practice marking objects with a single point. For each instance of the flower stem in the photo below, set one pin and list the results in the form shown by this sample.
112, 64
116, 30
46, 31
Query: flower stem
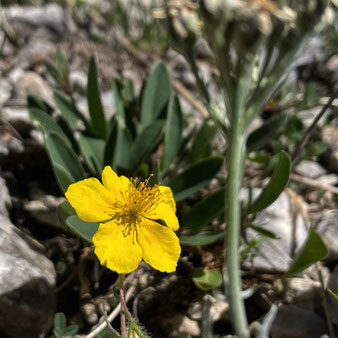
124, 310
231, 271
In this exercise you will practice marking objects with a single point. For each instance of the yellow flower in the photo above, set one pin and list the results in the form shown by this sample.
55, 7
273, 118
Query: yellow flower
129, 228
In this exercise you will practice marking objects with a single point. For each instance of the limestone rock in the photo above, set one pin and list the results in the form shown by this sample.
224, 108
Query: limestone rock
26, 285
284, 220
328, 230
294, 322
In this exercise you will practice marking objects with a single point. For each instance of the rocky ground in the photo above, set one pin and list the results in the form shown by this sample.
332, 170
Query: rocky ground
44, 269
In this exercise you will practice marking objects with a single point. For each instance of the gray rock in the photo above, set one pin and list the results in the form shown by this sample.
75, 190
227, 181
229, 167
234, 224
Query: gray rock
5, 200
45, 209
202, 50
180, 325
26, 285
37, 48
302, 292
5, 91
281, 218
310, 169
51, 16
79, 78
332, 291
32, 83
294, 322
328, 179
328, 230
15, 114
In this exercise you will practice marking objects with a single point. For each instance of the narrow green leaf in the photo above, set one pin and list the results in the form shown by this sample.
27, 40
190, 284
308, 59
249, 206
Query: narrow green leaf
93, 152
195, 177
267, 132
207, 279
64, 178
64, 160
70, 330
129, 91
118, 101
264, 232
60, 320
201, 238
111, 146
173, 131
123, 147
311, 252
201, 147
85, 230
156, 95
145, 143
43, 121
65, 210
95, 107
62, 63
68, 110
36, 102
106, 333
54, 72
275, 187
204, 211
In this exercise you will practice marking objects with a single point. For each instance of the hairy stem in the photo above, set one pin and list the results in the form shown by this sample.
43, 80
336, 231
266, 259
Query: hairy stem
231, 273
124, 310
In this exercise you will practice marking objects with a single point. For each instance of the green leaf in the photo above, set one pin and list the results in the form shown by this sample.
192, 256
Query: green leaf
201, 147
204, 211
46, 124
94, 102
67, 166
208, 279
93, 152
64, 211
267, 132
264, 232
312, 251
173, 131
111, 146
85, 230
145, 143
62, 63
118, 101
123, 147
201, 238
70, 330
36, 102
195, 177
275, 187
63, 177
60, 320
54, 72
68, 110
106, 333
156, 95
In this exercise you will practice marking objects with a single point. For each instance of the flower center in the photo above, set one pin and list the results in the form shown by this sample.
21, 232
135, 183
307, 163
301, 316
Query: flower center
138, 201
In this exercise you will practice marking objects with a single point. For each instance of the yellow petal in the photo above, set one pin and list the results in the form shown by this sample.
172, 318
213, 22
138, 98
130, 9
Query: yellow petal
160, 245
114, 183
90, 199
114, 250
166, 209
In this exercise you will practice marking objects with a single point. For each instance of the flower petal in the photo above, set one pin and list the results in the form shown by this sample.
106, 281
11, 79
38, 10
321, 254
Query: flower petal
115, 184
166, 209
90, 199
160, 245
116, 251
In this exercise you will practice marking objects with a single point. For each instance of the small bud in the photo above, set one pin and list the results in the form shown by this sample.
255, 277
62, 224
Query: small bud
185, 24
